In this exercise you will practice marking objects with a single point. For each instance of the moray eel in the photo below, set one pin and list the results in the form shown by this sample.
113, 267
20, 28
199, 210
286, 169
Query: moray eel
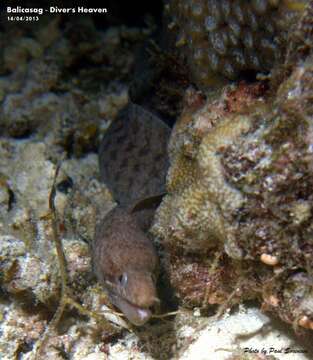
133, 163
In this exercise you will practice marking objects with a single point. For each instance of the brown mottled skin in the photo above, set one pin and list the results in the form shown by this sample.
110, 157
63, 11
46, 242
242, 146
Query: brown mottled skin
133, 163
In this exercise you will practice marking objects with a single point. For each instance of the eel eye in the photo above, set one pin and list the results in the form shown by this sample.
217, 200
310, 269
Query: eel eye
123, 279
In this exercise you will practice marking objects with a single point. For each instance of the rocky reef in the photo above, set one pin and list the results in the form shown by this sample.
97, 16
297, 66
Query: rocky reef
55, 106
237, 220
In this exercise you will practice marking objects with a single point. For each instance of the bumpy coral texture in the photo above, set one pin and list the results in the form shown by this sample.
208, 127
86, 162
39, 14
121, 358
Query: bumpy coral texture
231, 38
248, 194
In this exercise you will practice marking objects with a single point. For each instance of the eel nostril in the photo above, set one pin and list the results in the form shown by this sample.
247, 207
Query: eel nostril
123, 279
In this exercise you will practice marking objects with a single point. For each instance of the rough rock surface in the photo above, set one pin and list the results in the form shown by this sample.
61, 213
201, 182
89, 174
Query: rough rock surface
237, 220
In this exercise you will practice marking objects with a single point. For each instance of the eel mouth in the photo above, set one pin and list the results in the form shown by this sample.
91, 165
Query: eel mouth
135, 314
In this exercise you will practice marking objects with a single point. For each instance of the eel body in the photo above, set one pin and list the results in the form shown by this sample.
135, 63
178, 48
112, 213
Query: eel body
133, 163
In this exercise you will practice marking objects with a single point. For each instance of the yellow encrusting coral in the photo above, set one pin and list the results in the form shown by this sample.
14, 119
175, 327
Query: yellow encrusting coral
201, 197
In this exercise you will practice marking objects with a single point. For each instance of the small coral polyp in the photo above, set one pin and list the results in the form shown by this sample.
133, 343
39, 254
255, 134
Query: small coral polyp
232, 38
